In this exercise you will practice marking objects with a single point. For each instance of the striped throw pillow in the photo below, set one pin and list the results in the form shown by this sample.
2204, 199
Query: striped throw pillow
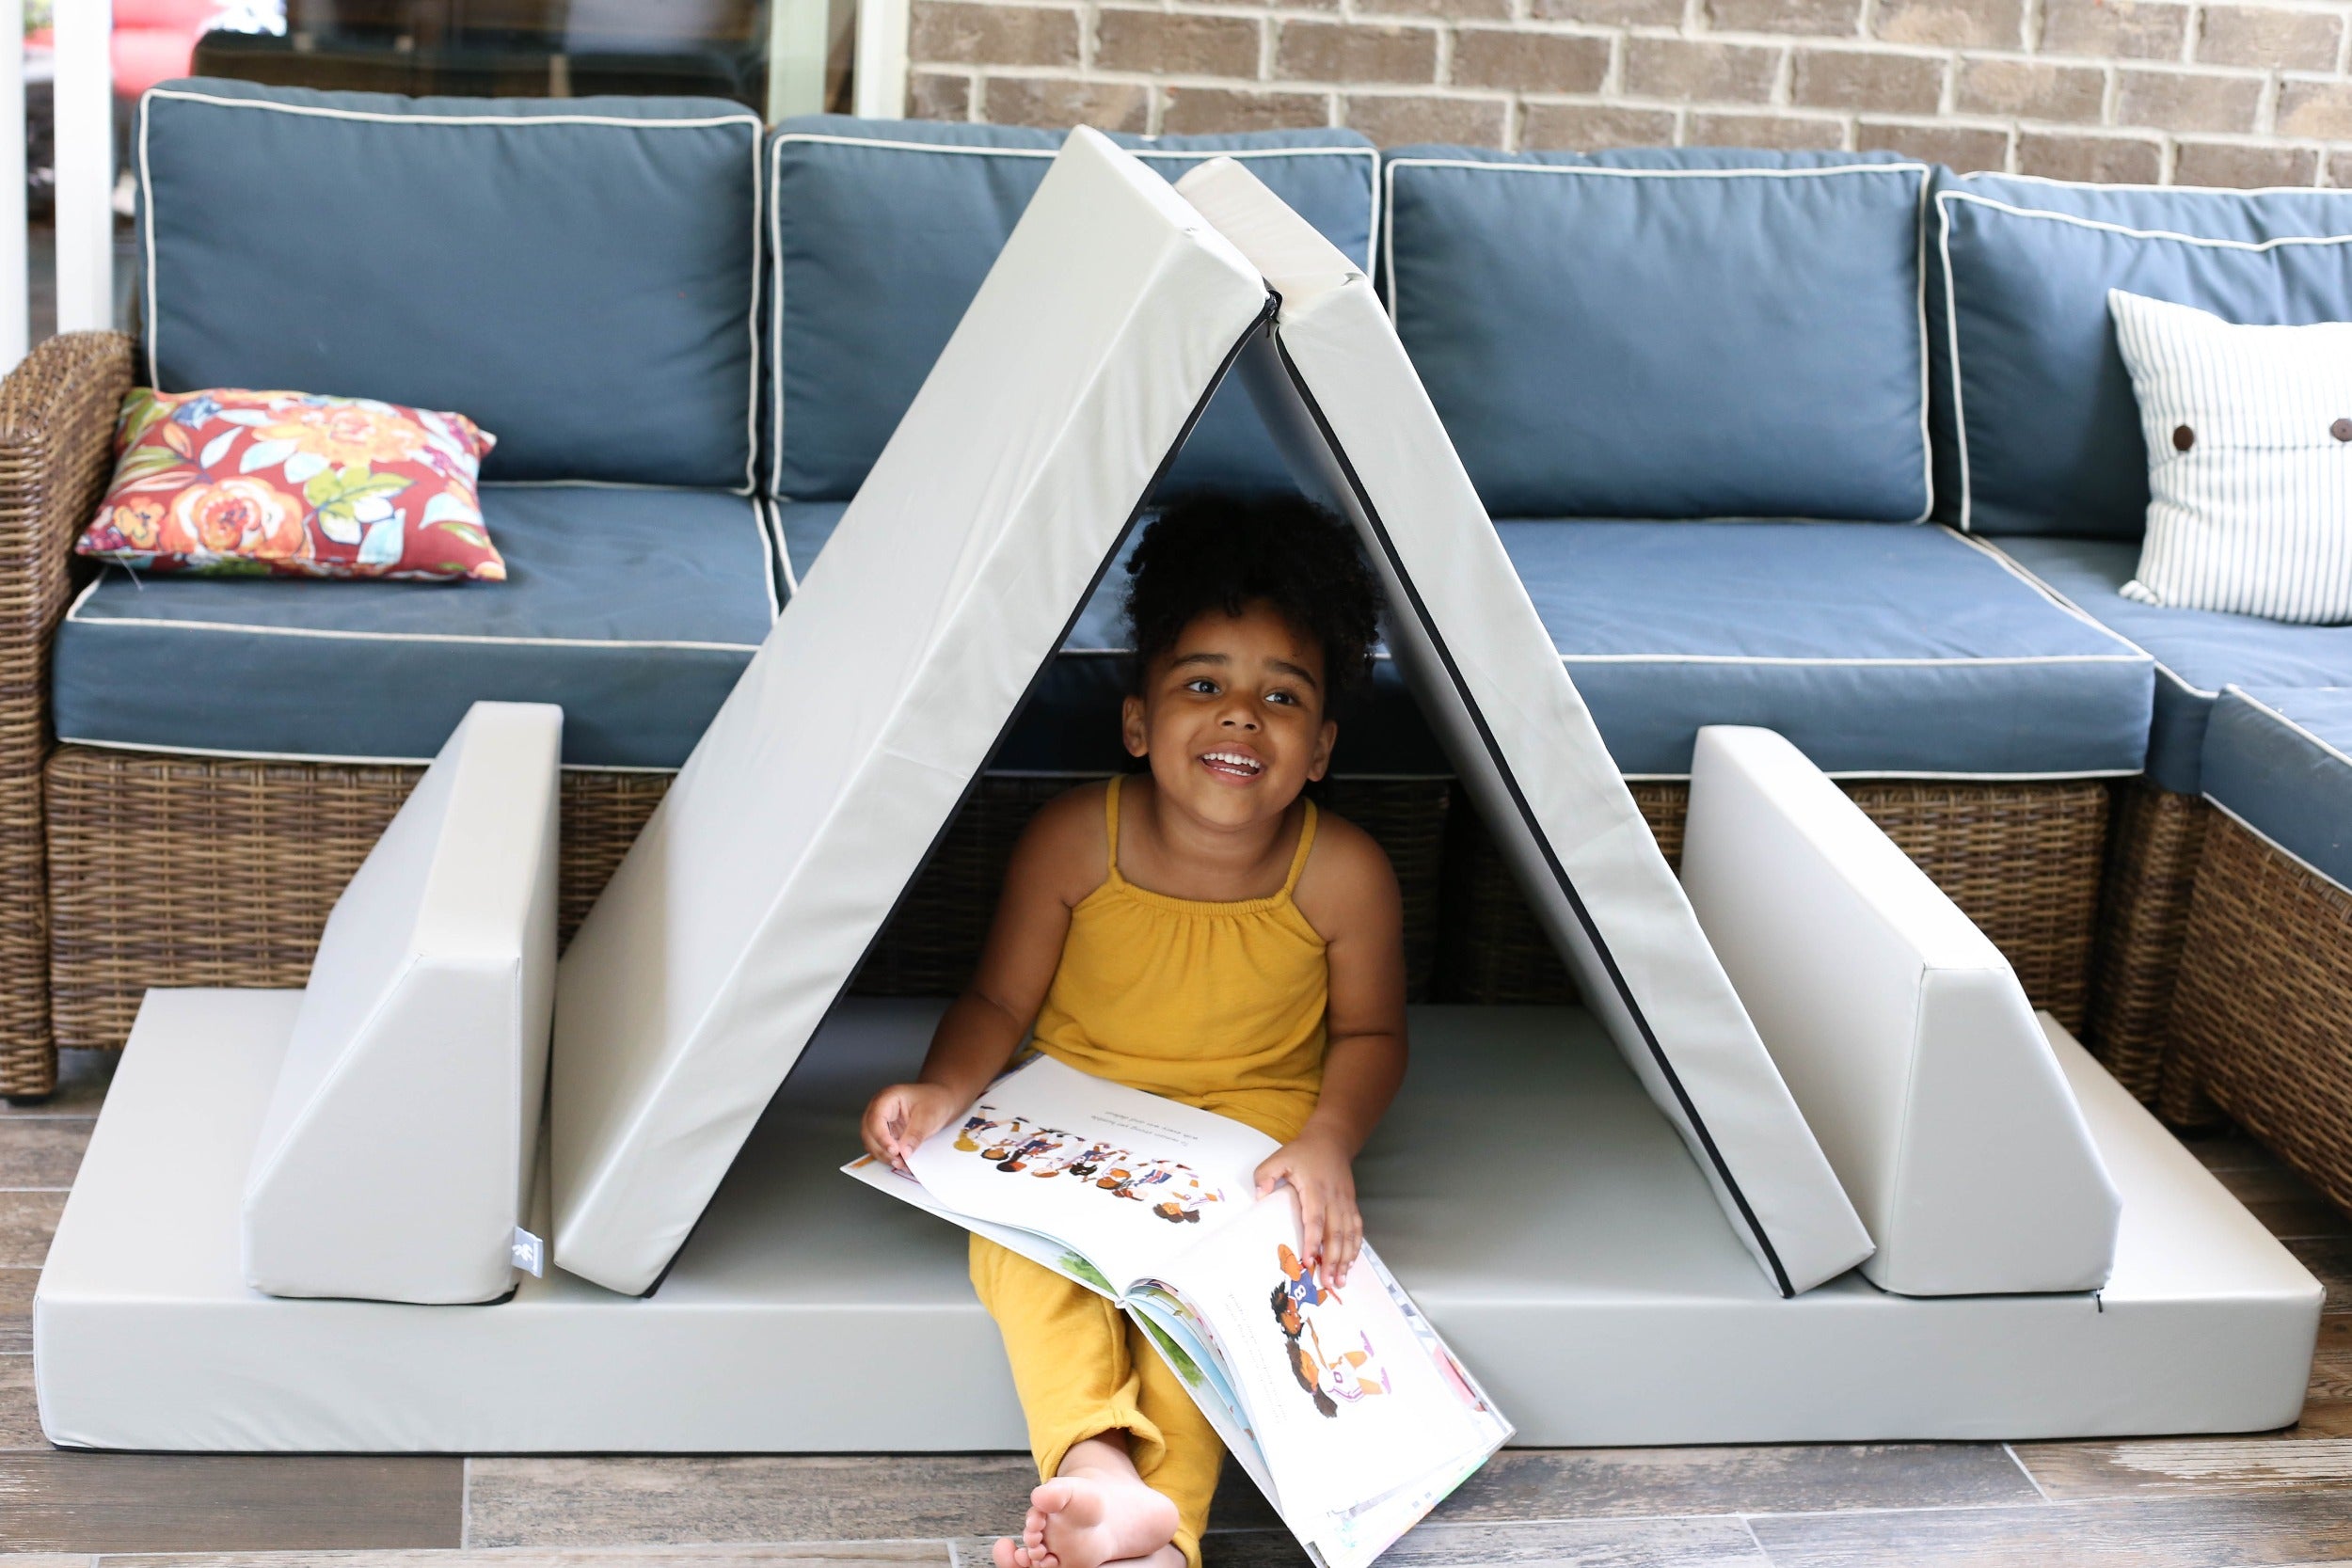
2249, 461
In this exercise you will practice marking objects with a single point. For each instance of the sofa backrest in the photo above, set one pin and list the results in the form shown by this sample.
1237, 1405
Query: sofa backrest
882, 230
2037, 428
1668, 333
577, 277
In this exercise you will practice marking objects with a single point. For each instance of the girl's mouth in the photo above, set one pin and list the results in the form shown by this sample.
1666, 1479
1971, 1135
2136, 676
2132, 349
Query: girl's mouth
1231, 765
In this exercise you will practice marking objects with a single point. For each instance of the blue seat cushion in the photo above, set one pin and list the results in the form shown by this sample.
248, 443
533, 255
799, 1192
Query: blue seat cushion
635, 609
1669, 334
2198, 652
1888, 648
579, 278
2279, 760
882, 230
2037, 428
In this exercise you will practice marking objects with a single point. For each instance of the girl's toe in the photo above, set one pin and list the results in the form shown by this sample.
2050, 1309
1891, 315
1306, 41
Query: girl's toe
1006, 1554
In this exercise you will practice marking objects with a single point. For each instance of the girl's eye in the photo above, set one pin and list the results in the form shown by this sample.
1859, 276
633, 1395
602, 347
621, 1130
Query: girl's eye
1201, 684
1281, 697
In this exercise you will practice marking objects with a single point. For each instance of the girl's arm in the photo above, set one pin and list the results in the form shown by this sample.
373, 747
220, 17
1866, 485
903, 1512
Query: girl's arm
1349, 895
1053, 866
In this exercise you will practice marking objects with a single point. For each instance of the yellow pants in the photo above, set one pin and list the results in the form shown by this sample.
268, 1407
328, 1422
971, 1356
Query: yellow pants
1083, 1370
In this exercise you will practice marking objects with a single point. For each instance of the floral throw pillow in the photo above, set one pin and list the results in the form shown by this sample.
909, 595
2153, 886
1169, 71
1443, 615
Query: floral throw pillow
230, 483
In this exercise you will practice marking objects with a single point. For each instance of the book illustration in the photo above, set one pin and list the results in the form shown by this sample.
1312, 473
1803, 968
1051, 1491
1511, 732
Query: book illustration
1342, 1371
1169, 1188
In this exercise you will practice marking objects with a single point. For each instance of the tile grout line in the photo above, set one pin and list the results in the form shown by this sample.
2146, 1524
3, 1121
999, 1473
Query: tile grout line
2031, 1480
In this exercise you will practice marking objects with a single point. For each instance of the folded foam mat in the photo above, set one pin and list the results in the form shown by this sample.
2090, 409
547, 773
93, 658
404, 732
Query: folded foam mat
402, 1129
817, 792
1106, 325
1336, 386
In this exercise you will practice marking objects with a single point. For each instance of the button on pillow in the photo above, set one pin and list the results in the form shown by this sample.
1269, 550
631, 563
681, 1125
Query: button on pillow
244, 483
2249, 461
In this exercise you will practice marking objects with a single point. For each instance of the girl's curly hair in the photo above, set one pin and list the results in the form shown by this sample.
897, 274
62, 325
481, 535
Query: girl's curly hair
1221, 552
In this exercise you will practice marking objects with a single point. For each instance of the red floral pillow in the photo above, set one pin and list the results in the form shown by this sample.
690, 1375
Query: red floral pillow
244, 484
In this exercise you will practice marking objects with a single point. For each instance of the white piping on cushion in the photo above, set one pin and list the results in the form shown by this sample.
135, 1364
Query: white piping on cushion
2231, 191
146, 210
322, 756
1951, 314
773, 184
2275, 846
1918, 254
784, 550
771, 567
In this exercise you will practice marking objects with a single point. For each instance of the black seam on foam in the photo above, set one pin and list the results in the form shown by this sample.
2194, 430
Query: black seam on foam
1266, 315
1494, 753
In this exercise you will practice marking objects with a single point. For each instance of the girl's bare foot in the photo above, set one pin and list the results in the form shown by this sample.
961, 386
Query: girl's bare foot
1087, 1518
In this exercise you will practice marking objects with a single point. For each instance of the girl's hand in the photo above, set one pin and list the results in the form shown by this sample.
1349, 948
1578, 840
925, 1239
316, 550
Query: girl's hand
1331, 1230
901, 1117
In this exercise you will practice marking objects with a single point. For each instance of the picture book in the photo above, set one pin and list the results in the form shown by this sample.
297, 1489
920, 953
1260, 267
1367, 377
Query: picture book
1341, 1403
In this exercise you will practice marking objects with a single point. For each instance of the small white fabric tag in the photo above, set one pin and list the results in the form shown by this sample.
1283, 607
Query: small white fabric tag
530, 1254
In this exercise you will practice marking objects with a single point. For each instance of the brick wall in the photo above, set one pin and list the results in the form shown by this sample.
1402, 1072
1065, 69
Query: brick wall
2221, 93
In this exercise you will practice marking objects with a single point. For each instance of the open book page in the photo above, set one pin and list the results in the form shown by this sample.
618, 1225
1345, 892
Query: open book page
1042, 1250
1364, 1419
1120, 1176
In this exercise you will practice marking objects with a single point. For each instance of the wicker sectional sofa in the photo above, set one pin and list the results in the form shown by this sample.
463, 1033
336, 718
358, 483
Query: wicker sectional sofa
686, 399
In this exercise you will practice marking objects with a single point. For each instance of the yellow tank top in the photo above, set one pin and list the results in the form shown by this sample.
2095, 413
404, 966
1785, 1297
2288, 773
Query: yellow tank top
1217, 1005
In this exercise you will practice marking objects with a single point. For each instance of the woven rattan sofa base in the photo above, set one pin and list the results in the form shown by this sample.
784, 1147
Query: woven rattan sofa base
2143, 914
212, 871
2263, 1014
2022, 859
171, 870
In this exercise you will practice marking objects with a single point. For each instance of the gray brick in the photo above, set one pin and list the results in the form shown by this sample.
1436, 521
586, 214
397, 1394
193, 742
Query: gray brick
2271, 38
2241, 166
1611, 13
1686, 67
1191, 110
1054, 104
1394, 121
1361, 52
1763, 130
1531, 62
2141, 29
1589, 127
939, 95
2032, 89
1817, 18
2340, 170
1965, 148
945, 33
1165, 43
1863, 79
1952, 24
2187, 100
2322, 109
2113, 159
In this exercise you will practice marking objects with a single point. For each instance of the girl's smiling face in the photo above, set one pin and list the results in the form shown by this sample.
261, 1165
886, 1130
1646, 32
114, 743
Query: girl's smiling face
1231, 718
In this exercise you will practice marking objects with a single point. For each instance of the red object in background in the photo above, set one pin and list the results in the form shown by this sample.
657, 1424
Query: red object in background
156, 40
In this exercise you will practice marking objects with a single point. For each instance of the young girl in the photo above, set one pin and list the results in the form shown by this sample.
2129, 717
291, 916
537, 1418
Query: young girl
1203, 932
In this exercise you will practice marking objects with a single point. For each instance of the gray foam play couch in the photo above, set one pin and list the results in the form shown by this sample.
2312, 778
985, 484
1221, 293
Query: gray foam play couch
1816, 1177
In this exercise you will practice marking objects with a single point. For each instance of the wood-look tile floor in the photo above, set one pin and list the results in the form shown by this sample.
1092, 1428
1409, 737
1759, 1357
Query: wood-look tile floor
2278, 1499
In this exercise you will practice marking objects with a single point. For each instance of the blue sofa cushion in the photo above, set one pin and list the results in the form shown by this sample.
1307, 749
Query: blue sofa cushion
1668, 334
579, 278
2198, 652
1878, 649
2279, 760
2037, 429
882, 230
633, 608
